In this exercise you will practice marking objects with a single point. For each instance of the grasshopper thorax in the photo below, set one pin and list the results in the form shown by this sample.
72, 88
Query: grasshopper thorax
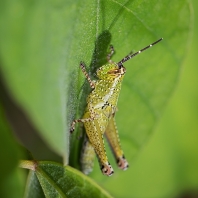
111, 71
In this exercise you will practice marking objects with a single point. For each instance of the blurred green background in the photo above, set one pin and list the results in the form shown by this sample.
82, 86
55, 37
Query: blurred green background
167, 166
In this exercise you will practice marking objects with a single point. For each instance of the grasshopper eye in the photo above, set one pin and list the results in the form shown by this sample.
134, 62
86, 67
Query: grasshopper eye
122, 70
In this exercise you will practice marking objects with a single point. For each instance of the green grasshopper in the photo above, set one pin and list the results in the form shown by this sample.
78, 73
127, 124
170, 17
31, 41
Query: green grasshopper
99, 115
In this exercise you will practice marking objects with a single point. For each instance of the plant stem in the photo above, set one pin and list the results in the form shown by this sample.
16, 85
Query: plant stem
28, 164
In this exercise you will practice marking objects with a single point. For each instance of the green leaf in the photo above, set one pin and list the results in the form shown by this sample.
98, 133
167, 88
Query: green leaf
149, 82
59, 181
151, 77
33, 48
33, 187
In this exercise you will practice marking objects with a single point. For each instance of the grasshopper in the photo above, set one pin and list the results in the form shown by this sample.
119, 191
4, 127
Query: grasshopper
99, 115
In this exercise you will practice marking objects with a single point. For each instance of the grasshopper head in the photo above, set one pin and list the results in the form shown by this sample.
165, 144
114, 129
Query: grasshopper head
110, 71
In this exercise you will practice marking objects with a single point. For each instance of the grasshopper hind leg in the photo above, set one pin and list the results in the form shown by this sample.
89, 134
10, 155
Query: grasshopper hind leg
122, 163
95, 135
107, 169
114, 141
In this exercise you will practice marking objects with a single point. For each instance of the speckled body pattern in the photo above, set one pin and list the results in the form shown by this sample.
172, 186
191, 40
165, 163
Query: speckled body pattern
102, 103
99, 115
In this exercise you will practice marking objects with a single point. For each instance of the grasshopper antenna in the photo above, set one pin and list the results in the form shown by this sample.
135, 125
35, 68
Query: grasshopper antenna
129, 56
